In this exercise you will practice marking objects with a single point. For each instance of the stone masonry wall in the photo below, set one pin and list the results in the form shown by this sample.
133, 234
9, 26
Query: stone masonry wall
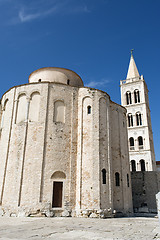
56, 134
145, 186
122, 197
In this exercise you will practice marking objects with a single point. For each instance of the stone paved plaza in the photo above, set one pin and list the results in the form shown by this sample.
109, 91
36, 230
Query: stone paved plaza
79, 228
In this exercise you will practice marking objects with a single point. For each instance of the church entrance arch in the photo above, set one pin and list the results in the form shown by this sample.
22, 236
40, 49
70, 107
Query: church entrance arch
58, 178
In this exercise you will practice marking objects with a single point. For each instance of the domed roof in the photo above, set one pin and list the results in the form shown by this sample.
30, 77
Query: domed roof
58, 75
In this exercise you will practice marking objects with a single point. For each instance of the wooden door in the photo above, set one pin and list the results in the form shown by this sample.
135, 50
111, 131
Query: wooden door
57, 194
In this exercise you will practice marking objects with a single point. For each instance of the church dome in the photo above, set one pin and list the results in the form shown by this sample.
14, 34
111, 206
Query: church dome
58, 75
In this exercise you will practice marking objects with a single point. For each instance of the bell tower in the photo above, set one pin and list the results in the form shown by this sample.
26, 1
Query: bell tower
134, 97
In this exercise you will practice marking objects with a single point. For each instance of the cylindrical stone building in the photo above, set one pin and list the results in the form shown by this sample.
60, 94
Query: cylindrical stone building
63, 149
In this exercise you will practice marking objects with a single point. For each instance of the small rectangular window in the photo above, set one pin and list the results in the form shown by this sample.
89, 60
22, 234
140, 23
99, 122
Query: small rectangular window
127, 179
89, 109
117, 179
104, 176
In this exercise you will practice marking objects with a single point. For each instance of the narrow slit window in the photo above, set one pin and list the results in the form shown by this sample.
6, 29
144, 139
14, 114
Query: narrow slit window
68, 81
104, 176
117, 179
127, 179
89, 109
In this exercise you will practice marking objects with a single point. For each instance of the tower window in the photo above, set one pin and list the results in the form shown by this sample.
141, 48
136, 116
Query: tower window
140, 142
128, 98
142, 162
131, 143
130, 120
133, 165
117, 179
104, 176
136, 96
139, 119
88, 109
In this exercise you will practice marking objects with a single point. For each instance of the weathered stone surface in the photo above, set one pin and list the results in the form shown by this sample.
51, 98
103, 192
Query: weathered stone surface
1, 212
66, 213
93, 215
21, 214
79, 228
145, 186
61, 146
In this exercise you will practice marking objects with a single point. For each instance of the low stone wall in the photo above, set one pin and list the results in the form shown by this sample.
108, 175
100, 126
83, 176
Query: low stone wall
145, 186
46, 211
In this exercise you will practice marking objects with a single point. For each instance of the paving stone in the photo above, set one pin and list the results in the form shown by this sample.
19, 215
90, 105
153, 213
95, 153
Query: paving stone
28, 228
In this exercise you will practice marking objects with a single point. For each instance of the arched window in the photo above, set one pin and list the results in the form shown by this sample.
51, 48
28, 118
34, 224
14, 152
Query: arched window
117, 179
133, 165
104, 176
142, 163
128, 98
21, 108
127, 179
140, 142
136, 96
131, 143
88, 109
139, 119
130, 120
34, 107
59, 111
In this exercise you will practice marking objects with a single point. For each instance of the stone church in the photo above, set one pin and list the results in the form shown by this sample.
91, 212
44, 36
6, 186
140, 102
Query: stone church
64, 147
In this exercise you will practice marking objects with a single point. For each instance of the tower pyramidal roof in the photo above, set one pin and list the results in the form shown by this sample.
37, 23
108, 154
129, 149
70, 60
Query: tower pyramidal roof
132, 70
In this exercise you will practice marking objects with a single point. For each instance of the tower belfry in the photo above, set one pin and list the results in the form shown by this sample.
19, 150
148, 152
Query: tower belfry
134, 97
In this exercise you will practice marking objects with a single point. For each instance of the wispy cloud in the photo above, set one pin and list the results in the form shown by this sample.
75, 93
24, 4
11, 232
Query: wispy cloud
100, 83
23, 12
24, 17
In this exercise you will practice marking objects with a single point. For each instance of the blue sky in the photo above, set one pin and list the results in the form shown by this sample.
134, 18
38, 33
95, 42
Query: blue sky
91, 37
